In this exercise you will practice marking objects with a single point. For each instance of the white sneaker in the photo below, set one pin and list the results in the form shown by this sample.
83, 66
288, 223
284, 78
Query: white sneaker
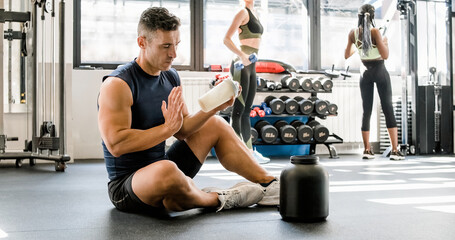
240, 196
368, 154
259, 158
271, 192
396, 156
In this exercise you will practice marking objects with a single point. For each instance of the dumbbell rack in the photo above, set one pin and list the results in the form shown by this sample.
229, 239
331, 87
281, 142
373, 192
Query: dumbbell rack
278, 148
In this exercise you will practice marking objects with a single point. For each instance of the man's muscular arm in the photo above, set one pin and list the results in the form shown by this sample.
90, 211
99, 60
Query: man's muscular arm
114, 119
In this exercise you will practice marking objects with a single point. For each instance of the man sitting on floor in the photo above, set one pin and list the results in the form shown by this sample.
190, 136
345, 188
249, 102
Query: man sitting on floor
140, 106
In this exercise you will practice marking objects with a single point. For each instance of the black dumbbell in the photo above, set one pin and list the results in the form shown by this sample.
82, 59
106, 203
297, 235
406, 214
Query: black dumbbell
267, 132
305, 83
327, 84
254, 135
261, 85
277, 105
290, 104
290, 82
317, 85
271, 85
279, 86
287, 132
321, 107
304, 132
332, 108
320, 133
306, 106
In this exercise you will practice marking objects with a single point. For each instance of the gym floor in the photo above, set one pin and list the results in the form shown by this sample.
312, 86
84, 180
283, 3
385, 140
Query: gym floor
369, 199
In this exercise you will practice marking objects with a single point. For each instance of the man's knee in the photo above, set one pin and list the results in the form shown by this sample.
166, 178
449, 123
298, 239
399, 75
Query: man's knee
216, 123
170, 176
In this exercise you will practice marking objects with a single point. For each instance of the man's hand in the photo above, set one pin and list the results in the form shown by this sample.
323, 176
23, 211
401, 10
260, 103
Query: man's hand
173, 116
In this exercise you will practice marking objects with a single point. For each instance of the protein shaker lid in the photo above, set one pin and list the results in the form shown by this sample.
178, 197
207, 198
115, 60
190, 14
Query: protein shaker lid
304, 159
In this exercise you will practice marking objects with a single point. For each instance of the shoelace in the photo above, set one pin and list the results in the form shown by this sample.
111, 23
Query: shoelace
230, 201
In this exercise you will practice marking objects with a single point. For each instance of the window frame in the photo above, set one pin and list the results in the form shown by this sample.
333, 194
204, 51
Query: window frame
197, 39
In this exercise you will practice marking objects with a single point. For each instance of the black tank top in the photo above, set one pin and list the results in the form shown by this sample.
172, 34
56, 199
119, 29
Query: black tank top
148, 92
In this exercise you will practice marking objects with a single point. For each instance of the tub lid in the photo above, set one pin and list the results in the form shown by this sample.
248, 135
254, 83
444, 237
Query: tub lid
304, 159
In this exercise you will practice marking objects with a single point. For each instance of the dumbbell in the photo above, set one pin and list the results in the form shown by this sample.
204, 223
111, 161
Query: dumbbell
291, 83
261, 85
305, 83
271, 85
320, 133
317, 85
254, 135
279, 86
239, 65
321, 107
306, 106
332, 108
287, 132
277, 105
291, 105
304, 132
256, 111
327, 84
266, 131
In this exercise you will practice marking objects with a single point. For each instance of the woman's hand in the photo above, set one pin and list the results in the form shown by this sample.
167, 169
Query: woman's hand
245, 59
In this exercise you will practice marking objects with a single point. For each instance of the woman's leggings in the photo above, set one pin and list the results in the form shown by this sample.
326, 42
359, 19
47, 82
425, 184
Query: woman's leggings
240, 118
376, 72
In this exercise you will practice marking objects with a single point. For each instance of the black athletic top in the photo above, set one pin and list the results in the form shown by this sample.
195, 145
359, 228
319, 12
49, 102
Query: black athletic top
252, 29
148, 92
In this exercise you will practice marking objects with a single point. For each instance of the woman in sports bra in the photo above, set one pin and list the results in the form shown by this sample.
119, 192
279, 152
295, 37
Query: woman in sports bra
373, 50
249, 29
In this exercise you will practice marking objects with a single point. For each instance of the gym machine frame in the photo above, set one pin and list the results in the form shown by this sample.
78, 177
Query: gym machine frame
47, 145
432, 117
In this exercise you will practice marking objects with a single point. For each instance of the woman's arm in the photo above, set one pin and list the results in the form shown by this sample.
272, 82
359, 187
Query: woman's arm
240, 18
349, 49
381, 43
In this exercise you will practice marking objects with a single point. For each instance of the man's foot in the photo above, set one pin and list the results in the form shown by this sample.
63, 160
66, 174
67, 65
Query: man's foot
271, 192
368, 154
237, 197
259, 158
396, 156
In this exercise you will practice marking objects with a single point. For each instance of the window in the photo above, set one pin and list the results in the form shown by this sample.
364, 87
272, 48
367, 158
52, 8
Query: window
339, 17
285, 35
102, 27
108, 30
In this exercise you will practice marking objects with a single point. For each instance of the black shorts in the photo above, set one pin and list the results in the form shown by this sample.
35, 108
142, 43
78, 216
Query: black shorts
121, 191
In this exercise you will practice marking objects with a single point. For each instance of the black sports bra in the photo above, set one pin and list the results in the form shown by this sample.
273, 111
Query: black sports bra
252, 29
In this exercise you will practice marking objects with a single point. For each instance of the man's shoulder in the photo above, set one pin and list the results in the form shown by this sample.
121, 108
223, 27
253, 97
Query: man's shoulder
120, 71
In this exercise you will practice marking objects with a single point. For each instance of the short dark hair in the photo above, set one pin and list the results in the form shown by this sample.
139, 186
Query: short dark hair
157, 18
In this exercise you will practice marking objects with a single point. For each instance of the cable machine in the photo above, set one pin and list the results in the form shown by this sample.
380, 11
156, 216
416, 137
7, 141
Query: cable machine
427, 76
46, 93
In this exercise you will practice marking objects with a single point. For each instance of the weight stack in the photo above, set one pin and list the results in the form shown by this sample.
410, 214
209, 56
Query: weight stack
384, 140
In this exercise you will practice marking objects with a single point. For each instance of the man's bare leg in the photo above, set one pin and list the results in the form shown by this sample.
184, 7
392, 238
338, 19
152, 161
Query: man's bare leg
163, 184
233, 154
